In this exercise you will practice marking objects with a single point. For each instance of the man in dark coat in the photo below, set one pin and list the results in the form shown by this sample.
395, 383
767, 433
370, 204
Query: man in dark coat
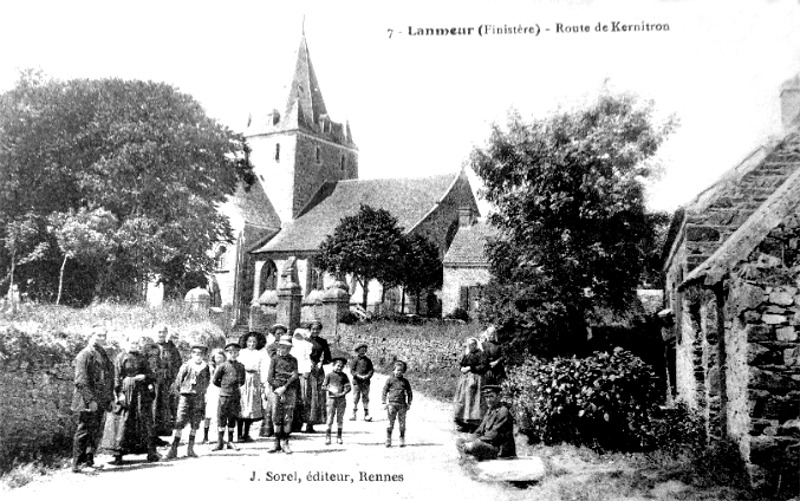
165, 404
93, 395
494, 437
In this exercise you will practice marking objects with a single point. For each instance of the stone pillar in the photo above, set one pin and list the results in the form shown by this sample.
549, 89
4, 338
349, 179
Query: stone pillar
290, 296
335, 303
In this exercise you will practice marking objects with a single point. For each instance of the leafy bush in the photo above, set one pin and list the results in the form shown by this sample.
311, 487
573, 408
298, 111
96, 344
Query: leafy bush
459, 314
604, 401
678, 431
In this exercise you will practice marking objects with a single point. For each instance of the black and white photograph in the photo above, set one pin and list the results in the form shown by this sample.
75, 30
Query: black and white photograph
400, 250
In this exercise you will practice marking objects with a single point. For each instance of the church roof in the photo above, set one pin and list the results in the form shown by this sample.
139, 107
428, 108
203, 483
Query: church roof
254, 206
305, 88
409, 200
469, 246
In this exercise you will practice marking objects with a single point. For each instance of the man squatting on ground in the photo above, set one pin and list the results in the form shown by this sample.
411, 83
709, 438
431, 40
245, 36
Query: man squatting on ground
336, 385
495, 436
284, 380
229, 377
92, 397
362, 370
191, 384
396, 398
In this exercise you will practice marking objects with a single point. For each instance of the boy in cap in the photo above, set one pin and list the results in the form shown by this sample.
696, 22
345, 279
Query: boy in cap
229, 377
191, 384
495, 436
336, 385
362, 371
396, 398
283, 379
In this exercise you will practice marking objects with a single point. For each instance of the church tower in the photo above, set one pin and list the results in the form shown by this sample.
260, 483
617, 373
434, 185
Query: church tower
295, 152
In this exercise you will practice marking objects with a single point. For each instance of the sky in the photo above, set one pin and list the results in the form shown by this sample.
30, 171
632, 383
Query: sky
417, 105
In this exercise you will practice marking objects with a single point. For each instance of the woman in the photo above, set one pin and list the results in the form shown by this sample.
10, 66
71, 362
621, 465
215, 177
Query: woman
315, 394
469, 403
494, 356
252, 391
129, 428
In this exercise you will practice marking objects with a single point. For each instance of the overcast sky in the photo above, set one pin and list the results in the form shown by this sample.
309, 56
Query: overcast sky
418, 104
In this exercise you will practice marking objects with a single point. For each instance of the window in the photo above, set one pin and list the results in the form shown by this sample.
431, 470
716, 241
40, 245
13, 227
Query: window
278, 152
314, 279
319, 155
268, 279
342, 163
220, 260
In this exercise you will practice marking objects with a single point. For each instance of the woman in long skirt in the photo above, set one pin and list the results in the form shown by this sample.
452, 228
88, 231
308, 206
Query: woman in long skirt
129, 428
315, 394
496, 372
252, 390
469, 405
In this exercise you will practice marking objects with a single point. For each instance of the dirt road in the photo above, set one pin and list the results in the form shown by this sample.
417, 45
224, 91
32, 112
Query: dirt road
362, 468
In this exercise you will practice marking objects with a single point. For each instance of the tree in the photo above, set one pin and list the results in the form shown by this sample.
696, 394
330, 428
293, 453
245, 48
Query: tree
367, 245
421, 267
143, 151
21, 244
85, 235
571, 218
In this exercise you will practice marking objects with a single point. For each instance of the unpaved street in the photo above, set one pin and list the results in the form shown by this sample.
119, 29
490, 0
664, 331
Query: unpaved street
362, 468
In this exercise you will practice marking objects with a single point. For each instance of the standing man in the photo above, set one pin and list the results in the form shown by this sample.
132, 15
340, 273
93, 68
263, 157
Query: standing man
165, 404
93, 395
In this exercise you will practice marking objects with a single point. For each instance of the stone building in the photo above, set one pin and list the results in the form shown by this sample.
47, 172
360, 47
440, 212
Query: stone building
466, 267
732, 289
306, 165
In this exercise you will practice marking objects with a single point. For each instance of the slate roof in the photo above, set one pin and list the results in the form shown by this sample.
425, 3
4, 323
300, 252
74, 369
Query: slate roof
409, 200
468, 247
782, 164
254, 206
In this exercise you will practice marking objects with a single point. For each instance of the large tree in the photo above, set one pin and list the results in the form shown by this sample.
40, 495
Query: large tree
420, 268
142, 151
369, 245
571, 216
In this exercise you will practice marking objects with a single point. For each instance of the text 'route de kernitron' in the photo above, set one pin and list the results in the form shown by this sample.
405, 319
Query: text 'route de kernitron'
532, 29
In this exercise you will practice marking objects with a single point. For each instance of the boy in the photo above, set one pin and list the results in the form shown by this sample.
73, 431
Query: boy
283, 380
362, 371
229, 377
191, 384
396, 398
337, 385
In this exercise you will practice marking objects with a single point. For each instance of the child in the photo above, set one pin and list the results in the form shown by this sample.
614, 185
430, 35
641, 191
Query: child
396, 400
362, 371
212, 393
229, 377
191, 384
337, 385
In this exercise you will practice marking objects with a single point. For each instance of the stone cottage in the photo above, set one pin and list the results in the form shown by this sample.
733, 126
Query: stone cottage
466, 267
307, 170
732, 290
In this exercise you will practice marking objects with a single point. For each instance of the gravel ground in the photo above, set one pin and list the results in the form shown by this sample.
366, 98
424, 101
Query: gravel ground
427, 468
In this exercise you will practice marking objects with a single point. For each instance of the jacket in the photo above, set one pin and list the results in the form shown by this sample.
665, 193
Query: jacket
94, 379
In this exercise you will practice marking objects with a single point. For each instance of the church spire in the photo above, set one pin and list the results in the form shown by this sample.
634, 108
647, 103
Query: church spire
305, 88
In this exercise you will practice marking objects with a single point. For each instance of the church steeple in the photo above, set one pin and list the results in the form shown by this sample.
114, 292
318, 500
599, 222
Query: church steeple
305, 89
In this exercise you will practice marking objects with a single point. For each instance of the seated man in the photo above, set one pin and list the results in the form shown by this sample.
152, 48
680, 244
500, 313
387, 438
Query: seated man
495, 436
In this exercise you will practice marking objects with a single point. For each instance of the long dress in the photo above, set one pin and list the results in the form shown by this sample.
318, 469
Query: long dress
315, 393
469, 405
252, 391
129, 426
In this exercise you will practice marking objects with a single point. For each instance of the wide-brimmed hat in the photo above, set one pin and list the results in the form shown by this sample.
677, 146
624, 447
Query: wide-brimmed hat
278, 326
361, 346
232, 345
200, 347
491, 388
285, 340
339, 359
261, 339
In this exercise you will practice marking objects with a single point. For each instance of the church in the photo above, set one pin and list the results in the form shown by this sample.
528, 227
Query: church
306, 165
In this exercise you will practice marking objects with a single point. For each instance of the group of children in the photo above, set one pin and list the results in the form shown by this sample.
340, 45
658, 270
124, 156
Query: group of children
212, 388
